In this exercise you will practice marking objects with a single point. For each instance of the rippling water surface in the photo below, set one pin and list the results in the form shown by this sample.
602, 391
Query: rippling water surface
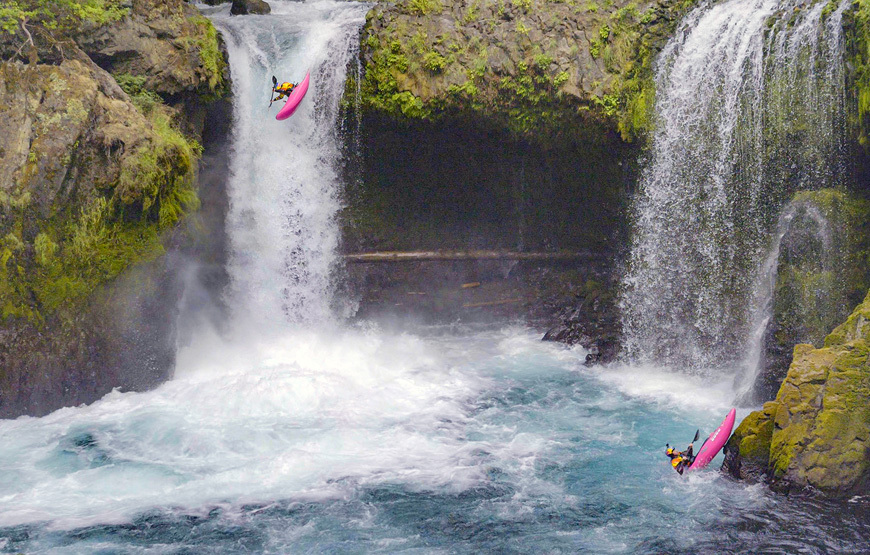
453, 439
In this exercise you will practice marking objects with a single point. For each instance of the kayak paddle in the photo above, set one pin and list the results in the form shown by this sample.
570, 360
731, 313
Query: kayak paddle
274, 84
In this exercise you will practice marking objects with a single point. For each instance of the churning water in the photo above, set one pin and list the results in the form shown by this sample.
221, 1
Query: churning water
444, 440
290, 432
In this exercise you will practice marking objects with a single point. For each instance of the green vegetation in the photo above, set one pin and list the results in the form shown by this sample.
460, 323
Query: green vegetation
50, 20
158, 181
53, 270
414, 68
856, 25
134, 85
210, 55
425, 7
434, 62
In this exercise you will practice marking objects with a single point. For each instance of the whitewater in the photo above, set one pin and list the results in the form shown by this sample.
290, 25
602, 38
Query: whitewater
287, 429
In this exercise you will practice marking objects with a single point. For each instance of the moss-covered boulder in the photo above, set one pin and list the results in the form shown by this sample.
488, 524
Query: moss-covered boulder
250, 7
747, 453
537, 67
90, 181
821, 417
169, 43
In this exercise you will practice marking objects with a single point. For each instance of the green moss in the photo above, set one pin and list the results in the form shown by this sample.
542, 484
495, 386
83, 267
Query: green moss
158, 182
856, 26
752, 437
143, 98
397, 51
425, 7
857, 324
434, 62
57, 17
211, 58
74, 252
522, 5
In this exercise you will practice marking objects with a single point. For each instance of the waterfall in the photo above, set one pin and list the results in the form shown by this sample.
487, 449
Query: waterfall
750, 108
765, 288
284, 188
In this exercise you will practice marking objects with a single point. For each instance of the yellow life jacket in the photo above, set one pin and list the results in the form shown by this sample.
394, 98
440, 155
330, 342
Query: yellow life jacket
676, 461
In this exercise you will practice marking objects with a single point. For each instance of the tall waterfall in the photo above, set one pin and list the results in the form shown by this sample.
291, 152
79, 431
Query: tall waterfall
750, 108
283, 186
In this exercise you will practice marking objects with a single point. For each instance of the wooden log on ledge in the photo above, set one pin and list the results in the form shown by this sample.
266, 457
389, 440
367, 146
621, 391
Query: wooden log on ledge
418, 256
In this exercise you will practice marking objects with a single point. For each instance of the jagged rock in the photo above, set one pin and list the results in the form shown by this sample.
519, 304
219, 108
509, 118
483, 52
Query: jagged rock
820, 429
84, 179
747, 453
590, 321
68, 130
94, 177
247, 7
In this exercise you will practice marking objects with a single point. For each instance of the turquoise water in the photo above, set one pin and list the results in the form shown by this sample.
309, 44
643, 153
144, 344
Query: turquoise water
444, 440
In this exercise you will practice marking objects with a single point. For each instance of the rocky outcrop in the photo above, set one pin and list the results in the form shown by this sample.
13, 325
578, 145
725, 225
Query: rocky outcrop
590, 318
89, 182
817, 431
246, 7
170, 44
96, 173
534, 66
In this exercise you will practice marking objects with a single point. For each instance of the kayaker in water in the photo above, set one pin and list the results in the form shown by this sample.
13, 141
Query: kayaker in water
283, 90
680, 460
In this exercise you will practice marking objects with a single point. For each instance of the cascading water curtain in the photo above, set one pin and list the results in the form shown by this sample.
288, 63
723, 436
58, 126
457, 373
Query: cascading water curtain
284, 188
749, 109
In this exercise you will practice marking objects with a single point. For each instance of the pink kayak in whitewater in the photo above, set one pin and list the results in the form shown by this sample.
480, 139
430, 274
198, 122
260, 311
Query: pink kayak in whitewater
293, 92
682, 460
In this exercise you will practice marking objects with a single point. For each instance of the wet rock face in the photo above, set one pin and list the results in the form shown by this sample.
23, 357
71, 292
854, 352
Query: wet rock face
55, 119
820, 277
590, 320
246, 7
747, 453
819, 425
72, 132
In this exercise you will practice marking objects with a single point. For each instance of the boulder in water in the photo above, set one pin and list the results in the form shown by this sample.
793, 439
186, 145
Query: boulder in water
250, 7
819, 425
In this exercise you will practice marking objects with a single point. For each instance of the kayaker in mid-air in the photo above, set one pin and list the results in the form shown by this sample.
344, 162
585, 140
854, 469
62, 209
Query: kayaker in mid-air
283, 90
681, 460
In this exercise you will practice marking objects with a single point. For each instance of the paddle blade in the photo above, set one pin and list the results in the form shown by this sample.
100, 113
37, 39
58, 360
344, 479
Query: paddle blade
697, 433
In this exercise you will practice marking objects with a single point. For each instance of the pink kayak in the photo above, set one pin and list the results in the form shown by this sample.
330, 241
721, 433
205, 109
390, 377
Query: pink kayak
713, 444
294, 99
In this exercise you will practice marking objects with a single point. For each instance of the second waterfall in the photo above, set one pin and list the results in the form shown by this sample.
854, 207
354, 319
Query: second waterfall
750, 108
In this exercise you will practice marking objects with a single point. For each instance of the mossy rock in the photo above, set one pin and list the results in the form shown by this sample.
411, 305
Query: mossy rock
92, 182
821, 422
747, 453
537, 67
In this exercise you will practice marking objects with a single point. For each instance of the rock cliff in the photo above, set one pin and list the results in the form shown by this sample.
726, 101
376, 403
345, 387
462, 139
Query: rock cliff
817, 431
96, 171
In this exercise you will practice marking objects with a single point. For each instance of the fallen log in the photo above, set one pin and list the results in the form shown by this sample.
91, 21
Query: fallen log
417, 256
